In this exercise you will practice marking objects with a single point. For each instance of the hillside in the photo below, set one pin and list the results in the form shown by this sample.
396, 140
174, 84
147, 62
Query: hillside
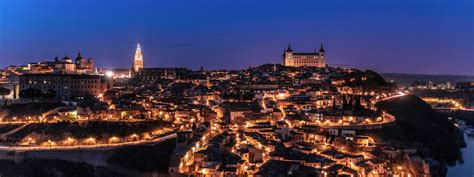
22, 110
416, 121
53, 168
145, 158
101, 130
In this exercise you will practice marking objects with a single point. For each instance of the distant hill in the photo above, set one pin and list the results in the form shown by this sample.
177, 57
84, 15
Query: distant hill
404, 80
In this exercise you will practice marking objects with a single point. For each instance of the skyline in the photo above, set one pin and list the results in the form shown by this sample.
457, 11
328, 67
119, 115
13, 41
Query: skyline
435, 37
227, 88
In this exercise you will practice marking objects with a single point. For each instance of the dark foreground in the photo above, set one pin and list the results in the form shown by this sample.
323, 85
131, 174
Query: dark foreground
140, 160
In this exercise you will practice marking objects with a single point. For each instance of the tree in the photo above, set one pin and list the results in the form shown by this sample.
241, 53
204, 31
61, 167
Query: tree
351, 102
4, 92
357, 104
344, 102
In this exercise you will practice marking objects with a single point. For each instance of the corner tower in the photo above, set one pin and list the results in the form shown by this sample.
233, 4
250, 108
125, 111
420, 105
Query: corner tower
287, 56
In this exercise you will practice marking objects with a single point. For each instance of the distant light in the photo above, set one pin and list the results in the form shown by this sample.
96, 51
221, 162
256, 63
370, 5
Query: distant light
109, 73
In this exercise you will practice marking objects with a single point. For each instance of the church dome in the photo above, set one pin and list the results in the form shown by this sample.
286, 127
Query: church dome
79, 57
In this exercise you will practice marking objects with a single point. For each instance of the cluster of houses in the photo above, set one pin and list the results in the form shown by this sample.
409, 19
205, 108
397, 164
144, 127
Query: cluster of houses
260, 121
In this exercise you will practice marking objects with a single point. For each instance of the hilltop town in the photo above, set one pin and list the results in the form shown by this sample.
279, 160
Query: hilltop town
299, 118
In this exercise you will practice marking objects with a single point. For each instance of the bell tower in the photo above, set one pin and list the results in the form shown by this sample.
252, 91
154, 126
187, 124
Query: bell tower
138, 61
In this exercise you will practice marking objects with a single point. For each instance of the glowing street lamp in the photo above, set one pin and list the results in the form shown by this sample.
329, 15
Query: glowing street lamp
91, 140
30, 140
134, 137
109, 74
70, 141
113, 139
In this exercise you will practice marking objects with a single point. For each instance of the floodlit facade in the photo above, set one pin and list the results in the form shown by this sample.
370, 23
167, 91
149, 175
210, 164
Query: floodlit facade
138, 61
314, 59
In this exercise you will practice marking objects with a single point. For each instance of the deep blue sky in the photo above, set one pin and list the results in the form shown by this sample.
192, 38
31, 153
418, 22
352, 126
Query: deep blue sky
409, 36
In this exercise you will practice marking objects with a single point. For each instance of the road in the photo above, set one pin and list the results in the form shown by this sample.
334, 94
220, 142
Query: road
391, 97
79, 147
388, 118
456, 105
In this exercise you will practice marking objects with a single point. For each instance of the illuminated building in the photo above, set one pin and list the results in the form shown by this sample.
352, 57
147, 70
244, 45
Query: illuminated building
315, 59
154, 74
138, 61
65, 86
84, 65
63, 66
10, 80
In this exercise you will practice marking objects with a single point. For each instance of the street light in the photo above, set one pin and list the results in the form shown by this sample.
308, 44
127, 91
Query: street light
50, 143
134, 137
93, 140
113, 139
70, 140
109, 74
29, 142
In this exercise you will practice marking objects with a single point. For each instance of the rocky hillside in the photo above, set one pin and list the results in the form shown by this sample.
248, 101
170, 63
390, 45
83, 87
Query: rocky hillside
416, 121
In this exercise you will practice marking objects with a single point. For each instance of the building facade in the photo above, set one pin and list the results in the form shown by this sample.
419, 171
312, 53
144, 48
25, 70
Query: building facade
65, 86
155, 74
138, 61
63, 66
10, 80
314, 59
83, 65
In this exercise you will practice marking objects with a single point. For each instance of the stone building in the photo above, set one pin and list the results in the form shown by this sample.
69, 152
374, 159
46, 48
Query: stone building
63, 66
65, 86
314, 59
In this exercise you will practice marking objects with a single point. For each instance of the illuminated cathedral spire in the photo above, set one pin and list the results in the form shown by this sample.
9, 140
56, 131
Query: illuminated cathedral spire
138, 61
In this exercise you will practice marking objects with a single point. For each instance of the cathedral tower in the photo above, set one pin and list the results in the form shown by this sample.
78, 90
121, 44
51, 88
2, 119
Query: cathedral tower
138, 61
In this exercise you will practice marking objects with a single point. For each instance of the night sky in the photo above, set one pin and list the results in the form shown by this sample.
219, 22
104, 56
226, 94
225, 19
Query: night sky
403, 36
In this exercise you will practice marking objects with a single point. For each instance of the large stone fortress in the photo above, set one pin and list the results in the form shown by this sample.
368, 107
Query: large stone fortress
315, 59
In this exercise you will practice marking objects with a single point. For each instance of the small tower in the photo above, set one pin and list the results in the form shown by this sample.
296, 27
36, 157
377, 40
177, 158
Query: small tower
321, 50
67, 59
90, 63
287, 56
80, 61
138, 61
322, 55
79, 56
